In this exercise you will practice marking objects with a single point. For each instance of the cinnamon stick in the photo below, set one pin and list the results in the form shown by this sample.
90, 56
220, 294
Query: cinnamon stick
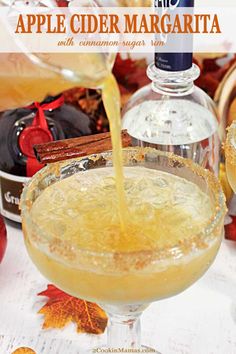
77, 147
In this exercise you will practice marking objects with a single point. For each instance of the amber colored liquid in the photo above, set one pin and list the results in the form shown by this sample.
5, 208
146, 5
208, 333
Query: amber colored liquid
127, 288
23, 81
111, 100
231, 174
79, 214
230, 154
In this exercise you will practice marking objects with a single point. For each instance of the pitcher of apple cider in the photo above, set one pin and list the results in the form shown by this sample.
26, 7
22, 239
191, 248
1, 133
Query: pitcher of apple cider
28, 77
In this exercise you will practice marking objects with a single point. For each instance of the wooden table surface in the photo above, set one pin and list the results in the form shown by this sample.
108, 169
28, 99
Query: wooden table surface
202, 320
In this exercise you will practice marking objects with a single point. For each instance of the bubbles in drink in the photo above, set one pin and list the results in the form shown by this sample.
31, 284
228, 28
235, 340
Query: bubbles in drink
162, 209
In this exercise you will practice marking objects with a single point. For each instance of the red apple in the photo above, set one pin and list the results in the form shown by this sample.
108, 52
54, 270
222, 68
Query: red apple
3, 238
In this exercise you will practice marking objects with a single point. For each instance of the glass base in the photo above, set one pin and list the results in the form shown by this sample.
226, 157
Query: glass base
104, 349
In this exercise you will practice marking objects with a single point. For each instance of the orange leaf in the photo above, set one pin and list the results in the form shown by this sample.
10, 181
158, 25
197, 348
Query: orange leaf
24, 350
62, 308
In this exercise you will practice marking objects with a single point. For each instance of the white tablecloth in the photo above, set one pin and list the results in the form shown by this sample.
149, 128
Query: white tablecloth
202, 320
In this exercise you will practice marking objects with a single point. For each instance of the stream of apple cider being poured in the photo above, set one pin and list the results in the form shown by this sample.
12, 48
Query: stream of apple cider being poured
93, 218
111, 101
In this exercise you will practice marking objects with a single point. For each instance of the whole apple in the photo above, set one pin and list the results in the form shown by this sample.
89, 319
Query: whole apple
3, 238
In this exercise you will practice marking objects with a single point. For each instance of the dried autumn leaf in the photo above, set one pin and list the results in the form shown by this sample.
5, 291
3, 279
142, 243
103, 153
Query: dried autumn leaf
130, 73
139, 76
123, 68
208, 83
24, 350
213, 70
62, 308
89, 105
74, 94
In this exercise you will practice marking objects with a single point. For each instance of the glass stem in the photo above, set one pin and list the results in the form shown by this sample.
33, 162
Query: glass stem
124, 332
124, 329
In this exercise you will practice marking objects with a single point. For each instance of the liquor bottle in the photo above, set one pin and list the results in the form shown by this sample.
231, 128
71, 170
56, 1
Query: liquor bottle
172, 114
22, 128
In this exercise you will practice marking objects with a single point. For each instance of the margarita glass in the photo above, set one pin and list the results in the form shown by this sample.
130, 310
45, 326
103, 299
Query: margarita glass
170, 242
230, 154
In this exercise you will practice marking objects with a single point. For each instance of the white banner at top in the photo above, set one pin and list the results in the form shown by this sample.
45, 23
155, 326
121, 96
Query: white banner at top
117, 29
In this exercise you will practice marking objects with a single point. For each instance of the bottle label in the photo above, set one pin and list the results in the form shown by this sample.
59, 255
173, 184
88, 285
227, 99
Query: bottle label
175, 61
174, 3
10, 192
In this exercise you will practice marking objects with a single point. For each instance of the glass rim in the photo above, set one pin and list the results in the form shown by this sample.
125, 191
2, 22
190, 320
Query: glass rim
158, 254
230, 144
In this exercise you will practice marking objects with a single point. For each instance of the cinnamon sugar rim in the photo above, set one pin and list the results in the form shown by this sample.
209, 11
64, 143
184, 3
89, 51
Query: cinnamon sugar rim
211, 231
230, 145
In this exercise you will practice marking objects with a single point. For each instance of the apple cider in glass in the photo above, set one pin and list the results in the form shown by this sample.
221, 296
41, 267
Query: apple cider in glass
230, 154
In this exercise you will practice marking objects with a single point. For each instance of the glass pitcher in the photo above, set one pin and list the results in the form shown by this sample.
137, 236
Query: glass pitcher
27, 77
